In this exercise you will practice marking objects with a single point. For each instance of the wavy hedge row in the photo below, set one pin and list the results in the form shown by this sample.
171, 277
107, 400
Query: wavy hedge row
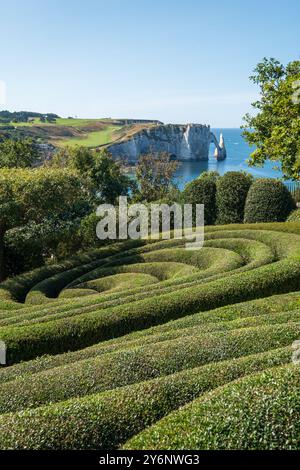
143, 361
106, 345
85, 328
229, 317
260, 412
107, 420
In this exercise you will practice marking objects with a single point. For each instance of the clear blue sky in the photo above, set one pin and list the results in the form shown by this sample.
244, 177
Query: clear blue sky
174, 60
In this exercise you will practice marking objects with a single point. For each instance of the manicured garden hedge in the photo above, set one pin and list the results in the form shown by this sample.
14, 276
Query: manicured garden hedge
259, 412
202, 190
268, 200
229, 317
232, 190
83, 329
106, 420
106, 348
294, 216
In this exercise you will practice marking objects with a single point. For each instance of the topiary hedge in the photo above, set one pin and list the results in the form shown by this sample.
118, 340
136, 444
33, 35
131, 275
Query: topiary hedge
106, 420
202, 190
294, 216
229, 317
232, 190
259, 412
268, 200
152, 357
82, 327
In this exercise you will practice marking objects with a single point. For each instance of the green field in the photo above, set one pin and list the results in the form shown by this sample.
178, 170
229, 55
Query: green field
73, 122
92, 139
89, 133
144, 344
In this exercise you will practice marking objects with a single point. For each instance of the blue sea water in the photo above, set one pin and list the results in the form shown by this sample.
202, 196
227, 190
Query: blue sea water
238, 152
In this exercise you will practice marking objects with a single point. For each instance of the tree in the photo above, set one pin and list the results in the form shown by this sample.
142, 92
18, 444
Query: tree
100, 172
35, 196
154, 174
275, 129
107, 179
18, 153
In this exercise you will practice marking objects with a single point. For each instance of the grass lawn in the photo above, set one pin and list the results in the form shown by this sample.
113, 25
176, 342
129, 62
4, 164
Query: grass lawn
73, 122
92, 139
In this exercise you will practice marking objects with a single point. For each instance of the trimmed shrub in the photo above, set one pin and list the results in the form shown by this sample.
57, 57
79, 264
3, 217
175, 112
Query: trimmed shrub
202, 190
152, 357
88, 327
232, 190
218, 319
106, 420
259, 412
268, 200
17, 287
294, 216
147, 366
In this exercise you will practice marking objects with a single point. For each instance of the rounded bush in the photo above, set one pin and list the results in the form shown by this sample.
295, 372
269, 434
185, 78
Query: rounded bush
232, 190
202, 190
268, 200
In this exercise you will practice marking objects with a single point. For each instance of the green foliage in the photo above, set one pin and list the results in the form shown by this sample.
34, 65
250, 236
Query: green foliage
266, 401
275, 128
22, 116
202, 190
225, 318
148, 358
294, 216
232, 190
30, 197
87, 231
18, 153
106, 420
73, 331
154, 174
268, 200
112, 341
102, 175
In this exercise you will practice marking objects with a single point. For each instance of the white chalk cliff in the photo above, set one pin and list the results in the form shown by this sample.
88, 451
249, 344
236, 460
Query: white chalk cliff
185, 142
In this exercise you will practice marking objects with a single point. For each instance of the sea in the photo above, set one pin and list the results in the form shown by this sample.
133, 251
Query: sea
238, 151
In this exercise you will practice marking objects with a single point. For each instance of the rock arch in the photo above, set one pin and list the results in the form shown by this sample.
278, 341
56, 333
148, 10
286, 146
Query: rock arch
220, 150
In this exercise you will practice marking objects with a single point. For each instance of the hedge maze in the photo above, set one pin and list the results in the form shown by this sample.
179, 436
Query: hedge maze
147, 345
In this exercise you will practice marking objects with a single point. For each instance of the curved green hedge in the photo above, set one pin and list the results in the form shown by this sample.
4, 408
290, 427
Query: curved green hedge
229, 317
294, 216
107, 420
84, 329
105, 348
202, 190
162, 356
267, 417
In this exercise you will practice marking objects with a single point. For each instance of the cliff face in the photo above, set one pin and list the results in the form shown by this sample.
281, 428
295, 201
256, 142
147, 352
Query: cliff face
185, 142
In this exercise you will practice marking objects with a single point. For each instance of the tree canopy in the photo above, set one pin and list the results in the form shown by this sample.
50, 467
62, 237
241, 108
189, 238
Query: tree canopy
99, 171
275, 128
154, 174
37, 196
18, 153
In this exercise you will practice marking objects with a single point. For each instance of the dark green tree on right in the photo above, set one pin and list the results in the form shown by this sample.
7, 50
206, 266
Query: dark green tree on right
275, 127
